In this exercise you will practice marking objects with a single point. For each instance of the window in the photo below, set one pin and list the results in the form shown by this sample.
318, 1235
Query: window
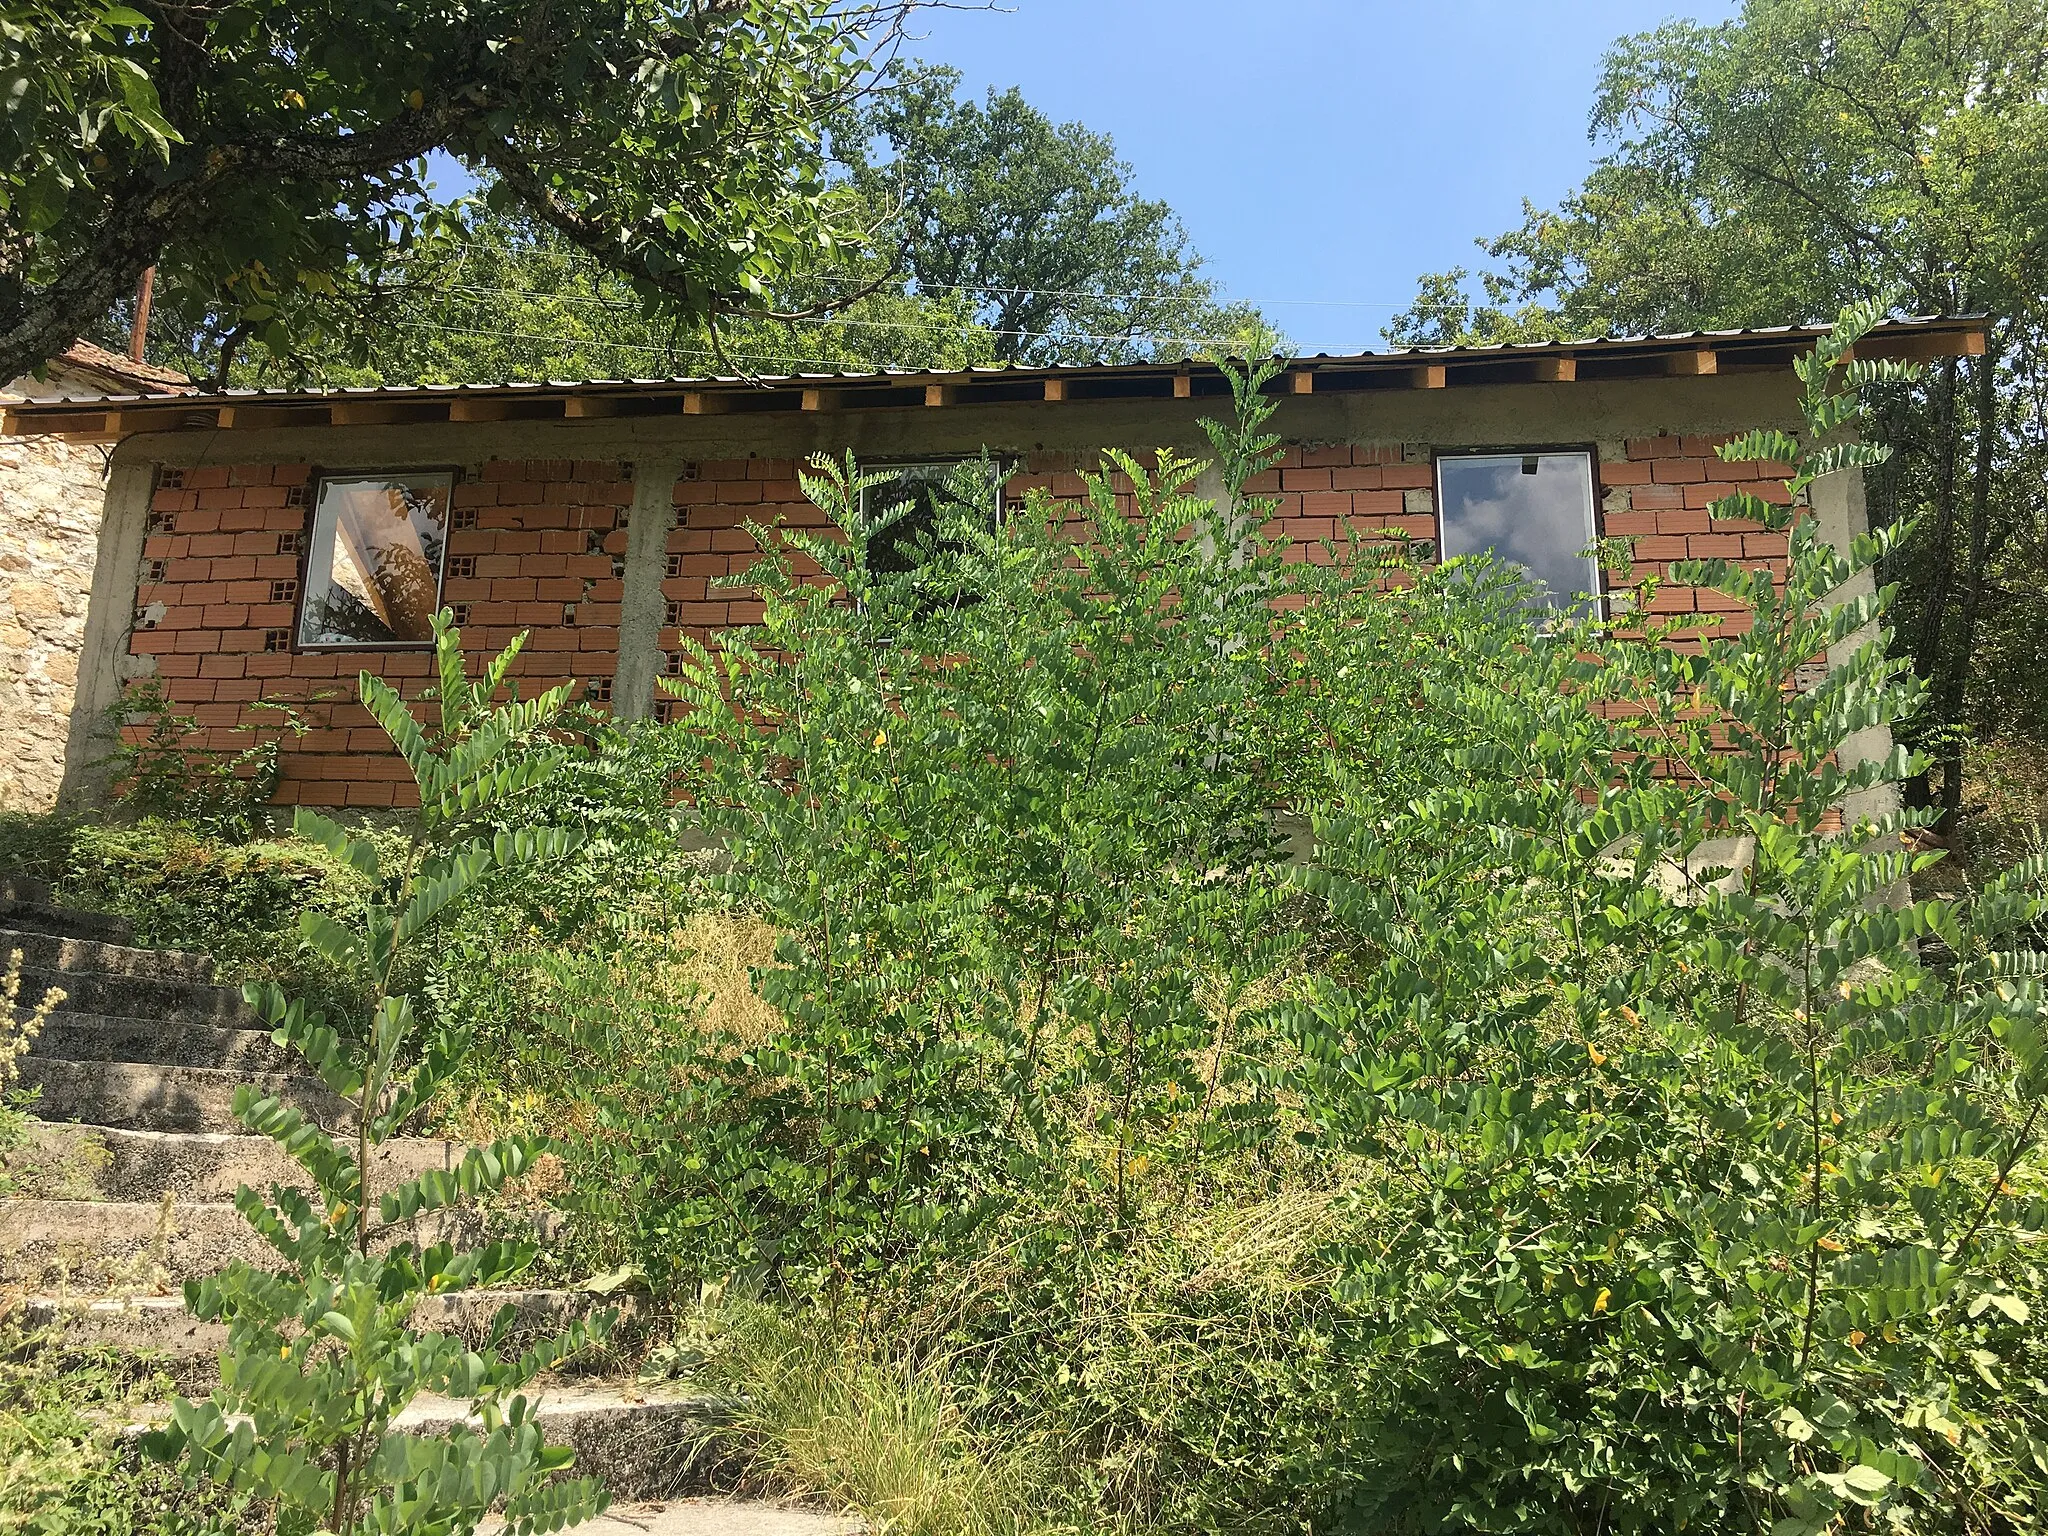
927, 487
373, 573
1534, 510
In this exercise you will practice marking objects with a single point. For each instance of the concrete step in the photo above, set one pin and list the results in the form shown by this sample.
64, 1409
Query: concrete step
69, 1161
15, 887
69, 1036
39, 915
119, 1247
646, 1444
139, 997
169, 1338
141, 1097
53, 952
653, 1444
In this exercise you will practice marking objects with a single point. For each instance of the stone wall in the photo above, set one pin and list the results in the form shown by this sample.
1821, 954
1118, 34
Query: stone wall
51, 494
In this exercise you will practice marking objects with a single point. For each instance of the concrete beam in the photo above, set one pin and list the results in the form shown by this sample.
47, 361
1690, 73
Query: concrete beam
1696, 364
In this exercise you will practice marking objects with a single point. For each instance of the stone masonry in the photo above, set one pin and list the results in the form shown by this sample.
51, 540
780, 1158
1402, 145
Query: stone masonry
51, 494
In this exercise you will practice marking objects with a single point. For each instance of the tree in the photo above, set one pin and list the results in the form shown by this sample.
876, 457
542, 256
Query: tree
1035, 225
266, 155
1807, 155
513, 298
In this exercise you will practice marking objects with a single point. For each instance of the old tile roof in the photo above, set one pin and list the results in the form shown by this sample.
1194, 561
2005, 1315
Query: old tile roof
142, 379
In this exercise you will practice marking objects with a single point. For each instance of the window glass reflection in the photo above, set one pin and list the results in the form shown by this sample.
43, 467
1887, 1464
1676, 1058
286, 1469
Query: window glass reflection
1534, 510
373, 573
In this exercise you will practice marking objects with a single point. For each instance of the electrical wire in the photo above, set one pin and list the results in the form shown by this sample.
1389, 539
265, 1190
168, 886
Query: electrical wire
962, 327
592, 263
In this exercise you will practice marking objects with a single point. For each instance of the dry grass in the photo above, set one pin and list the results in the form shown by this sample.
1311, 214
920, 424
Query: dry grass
692, 977
825, 1419
715, 953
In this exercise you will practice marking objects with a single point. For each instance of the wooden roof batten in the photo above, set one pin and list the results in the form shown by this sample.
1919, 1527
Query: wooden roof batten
1556, 363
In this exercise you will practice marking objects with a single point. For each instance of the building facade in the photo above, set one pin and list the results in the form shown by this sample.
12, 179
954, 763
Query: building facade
265, 547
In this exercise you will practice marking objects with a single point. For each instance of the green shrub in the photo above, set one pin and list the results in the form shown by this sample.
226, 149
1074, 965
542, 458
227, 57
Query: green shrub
161, 771
1013, 812
184, 887
64, 1470
322, 1357
1587, 1139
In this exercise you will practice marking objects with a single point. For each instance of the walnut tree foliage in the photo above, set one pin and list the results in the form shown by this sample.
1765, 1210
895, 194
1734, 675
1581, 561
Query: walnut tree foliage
1033, 227
269, 158
323, 1355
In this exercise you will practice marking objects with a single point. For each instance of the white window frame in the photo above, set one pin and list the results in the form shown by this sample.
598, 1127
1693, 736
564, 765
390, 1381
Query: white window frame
1589, 458
318, 564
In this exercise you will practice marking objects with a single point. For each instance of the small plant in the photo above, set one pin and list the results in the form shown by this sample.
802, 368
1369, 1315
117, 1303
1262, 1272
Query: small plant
167, 772
321, 1357
17, 1034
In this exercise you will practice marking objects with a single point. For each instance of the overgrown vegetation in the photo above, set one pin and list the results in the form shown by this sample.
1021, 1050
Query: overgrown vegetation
1591, 1133
1804, 155
63, 1471
322, 1357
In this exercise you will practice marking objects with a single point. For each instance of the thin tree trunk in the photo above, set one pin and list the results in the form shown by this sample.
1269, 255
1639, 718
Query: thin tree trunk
1961, 664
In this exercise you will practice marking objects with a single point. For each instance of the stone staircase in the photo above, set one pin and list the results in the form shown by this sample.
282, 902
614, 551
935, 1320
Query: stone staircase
125, 1188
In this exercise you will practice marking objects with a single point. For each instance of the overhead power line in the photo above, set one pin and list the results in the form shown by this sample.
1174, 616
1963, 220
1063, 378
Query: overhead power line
591, 263
961, 327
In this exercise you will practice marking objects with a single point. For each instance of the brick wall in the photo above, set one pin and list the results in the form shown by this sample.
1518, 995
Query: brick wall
1659, 494
540, 546
717, 498
218, 600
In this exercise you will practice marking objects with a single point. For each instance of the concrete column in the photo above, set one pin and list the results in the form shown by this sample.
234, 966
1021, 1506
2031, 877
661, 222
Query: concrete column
642, 605
104, 665
1842, 515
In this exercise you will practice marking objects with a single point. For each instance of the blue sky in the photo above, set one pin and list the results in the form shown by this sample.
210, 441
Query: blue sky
1322, 153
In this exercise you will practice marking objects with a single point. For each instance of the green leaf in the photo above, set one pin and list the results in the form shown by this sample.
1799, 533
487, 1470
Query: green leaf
1866, 1479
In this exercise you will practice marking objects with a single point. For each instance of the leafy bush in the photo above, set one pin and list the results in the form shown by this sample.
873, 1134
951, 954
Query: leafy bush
321, 1355
1711, 1221
183, 887
161, 769
63, 1470
1013, 843
1593, 1136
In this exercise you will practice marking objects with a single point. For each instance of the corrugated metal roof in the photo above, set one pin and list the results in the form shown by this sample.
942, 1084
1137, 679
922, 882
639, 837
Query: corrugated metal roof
1392, 357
